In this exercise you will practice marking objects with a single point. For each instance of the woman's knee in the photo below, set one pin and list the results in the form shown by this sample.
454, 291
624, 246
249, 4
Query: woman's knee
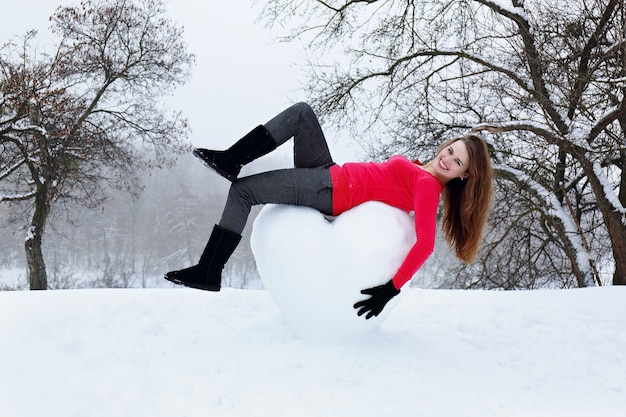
304, 108
240, 190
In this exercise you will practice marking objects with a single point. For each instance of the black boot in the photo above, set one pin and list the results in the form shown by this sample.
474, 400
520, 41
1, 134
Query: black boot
228, 163
207, 275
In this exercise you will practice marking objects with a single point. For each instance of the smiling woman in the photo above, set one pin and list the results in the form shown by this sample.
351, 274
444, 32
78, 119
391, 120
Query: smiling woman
467, 203
461, 170
451, 162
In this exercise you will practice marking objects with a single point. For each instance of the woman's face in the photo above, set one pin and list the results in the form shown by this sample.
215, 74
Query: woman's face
452, 162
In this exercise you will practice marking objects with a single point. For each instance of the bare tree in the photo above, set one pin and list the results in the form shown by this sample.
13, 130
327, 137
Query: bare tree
88, 114
546, 80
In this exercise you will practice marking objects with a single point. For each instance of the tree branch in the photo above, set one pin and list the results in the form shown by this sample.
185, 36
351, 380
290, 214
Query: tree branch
535, 64
440, 53
605, 121
18, 197
583, 73
345, 5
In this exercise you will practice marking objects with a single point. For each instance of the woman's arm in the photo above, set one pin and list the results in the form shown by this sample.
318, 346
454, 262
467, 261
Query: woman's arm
426, 201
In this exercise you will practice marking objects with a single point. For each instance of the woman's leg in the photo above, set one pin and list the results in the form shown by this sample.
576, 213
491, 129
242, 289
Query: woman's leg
308, 184
310, 187
299, 186
300, 122
207, 273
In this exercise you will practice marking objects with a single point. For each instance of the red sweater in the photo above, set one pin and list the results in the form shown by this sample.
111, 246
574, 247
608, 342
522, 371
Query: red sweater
399, 183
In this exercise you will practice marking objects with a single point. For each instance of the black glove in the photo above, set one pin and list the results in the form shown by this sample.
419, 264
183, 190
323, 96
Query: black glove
380, 296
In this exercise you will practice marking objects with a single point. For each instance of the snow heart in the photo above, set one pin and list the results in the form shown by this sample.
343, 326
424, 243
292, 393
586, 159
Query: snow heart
314, 268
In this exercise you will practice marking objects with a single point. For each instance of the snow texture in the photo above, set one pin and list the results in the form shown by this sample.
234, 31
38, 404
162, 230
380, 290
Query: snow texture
511, 10
609, 192
314, 269
439, 353
182, 352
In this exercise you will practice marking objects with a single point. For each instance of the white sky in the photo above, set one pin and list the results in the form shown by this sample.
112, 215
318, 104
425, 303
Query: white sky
242, 77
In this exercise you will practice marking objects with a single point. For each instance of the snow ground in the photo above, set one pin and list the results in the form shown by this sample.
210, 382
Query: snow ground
182, 352
172, 352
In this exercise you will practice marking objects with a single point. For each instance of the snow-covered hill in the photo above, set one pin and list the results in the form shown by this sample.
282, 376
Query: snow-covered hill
181, 352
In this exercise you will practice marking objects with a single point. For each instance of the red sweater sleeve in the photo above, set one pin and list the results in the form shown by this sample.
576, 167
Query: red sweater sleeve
426, 201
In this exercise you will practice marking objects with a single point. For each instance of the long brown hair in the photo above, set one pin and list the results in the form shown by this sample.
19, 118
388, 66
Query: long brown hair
466, 202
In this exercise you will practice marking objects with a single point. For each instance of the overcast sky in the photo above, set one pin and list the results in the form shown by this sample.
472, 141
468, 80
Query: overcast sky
242, 77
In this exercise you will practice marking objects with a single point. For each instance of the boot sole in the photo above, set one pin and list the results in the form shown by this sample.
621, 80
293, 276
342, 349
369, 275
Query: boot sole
210, 164
206, 287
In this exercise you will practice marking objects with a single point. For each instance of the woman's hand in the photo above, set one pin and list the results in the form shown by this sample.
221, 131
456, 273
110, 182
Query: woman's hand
380, 296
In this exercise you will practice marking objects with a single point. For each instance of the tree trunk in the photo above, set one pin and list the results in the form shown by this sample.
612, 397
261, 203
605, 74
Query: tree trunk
619, 277
617, 231
37, 275
613, 221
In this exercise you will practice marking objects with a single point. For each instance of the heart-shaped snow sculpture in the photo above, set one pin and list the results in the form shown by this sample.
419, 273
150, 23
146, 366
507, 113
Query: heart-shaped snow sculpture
314, 268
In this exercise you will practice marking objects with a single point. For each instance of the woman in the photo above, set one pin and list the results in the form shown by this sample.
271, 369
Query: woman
461, 171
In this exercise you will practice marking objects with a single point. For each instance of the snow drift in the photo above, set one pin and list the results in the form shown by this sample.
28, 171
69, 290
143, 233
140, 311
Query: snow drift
183, 352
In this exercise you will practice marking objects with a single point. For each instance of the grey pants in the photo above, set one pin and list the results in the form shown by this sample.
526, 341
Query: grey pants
308, 184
